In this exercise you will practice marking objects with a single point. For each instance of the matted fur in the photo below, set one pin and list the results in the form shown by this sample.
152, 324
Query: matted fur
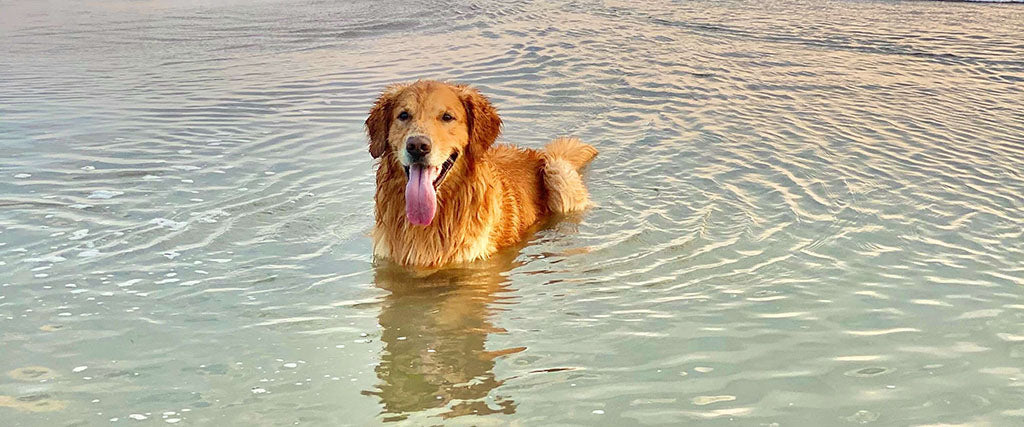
491, 196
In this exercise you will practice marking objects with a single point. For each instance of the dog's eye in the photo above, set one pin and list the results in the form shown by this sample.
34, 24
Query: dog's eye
403, 116
447, 117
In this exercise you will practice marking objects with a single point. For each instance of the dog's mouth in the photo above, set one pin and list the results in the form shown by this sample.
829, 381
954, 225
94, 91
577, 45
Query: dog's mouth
421, 189
445, 167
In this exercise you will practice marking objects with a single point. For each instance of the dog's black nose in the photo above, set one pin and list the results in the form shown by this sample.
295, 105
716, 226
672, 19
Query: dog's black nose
417, 146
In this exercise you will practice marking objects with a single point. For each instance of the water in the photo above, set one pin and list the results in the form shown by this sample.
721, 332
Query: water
808, 213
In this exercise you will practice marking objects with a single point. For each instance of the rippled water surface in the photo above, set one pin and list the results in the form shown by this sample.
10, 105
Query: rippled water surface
808, 213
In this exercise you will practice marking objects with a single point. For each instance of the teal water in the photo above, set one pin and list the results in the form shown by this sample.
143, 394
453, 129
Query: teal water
807, 213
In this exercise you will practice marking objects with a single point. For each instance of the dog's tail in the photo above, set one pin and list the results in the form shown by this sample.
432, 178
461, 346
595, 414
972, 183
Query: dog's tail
563, 159
571, 150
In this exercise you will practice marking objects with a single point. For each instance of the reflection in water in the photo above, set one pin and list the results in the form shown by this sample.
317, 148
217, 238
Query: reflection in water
434, 328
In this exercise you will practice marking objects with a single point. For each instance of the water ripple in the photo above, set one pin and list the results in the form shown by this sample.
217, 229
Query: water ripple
793, 202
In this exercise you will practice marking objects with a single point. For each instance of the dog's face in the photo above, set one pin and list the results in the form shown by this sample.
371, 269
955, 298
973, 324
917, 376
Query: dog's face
427, 127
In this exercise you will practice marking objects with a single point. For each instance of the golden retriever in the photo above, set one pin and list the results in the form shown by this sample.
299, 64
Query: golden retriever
445, 193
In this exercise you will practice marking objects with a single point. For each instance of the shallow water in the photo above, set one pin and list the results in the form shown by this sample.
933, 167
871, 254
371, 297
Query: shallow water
808, 213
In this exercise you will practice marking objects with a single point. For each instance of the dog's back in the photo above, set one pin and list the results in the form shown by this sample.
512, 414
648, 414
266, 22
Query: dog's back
535, 183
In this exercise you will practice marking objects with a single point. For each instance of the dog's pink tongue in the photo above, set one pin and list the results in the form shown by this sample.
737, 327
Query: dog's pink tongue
420, 199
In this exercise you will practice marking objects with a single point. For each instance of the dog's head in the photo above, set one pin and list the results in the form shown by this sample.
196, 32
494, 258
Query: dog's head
429, 128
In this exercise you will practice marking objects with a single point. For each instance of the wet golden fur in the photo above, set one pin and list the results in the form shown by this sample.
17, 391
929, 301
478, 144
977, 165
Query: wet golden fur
491, 196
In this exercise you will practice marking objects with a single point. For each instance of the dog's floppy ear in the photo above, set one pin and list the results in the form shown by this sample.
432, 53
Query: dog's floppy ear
379, 122
481, 118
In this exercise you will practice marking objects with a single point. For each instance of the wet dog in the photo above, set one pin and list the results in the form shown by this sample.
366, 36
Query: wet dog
445, 193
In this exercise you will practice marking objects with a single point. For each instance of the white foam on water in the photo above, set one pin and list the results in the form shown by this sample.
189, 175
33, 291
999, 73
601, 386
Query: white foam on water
104, 194
167, 223
210, 217
47, 258
128, 283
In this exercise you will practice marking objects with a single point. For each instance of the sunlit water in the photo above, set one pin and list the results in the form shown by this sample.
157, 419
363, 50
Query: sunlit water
808, 213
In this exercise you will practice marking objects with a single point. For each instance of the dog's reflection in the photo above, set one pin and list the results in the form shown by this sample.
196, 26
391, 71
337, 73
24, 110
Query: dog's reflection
434, 328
